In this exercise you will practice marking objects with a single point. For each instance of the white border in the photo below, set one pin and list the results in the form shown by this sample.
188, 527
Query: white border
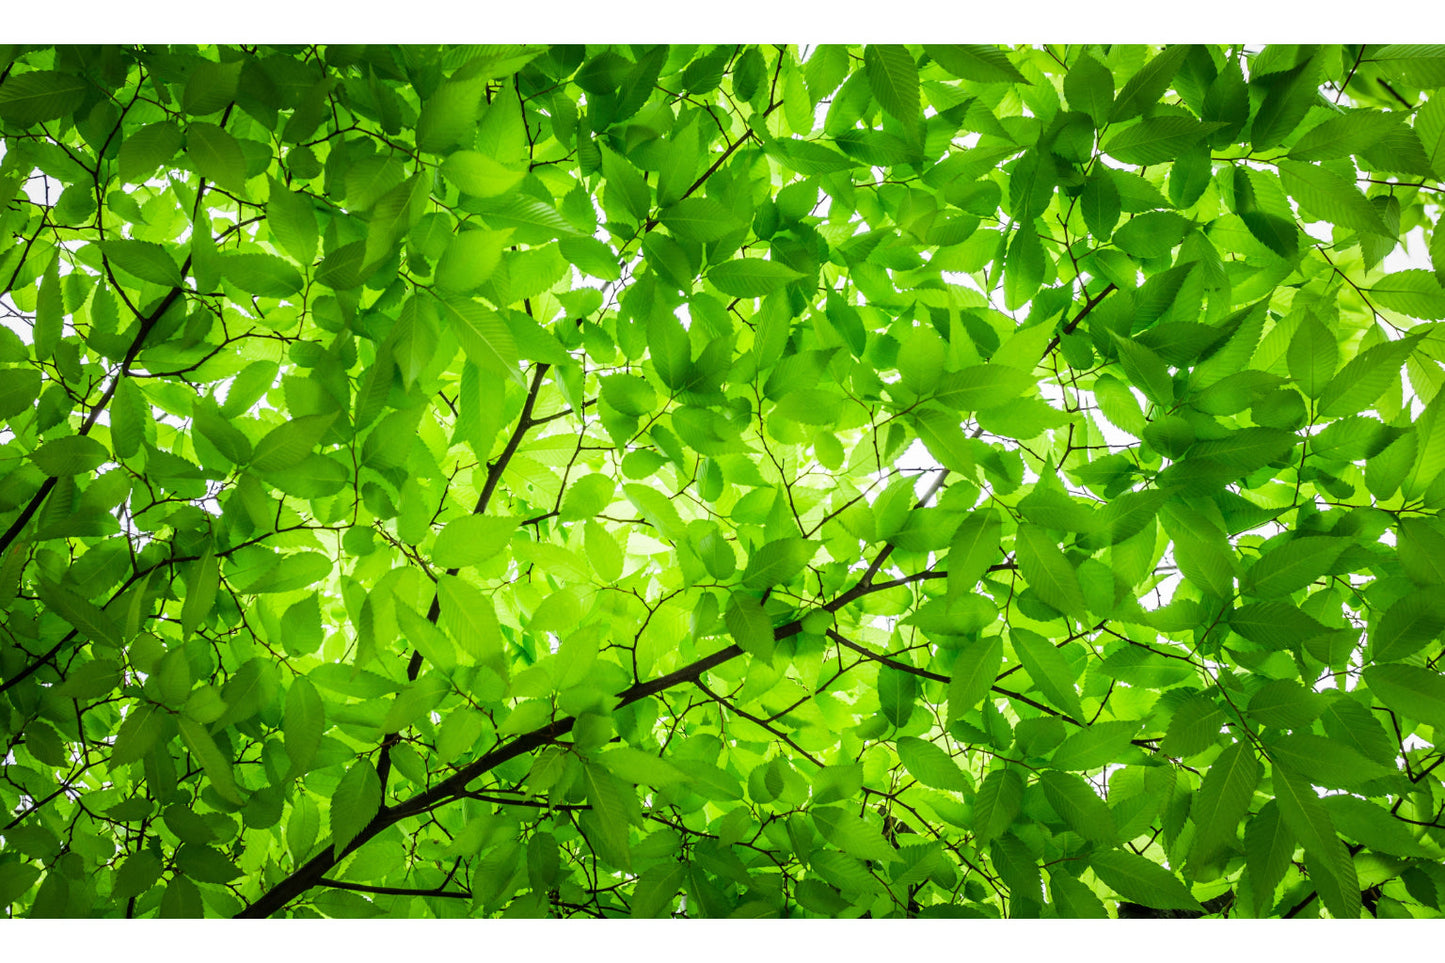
599, 21
706, 941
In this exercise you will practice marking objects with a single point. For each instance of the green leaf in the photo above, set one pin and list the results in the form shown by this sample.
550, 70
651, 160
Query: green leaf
1048, 572
1414, 292
142, 728
1155, 139
591, 256
292, 218
460, 733
434, 646
261, 274
717, 555
1275, 624
1406, 627
302, 724
1331, 197
1149, 83
217, 156
1089, 87
1332, 870
1074, 899
469, 619
976, 62
1364, 378
1286, 704
637, 767
1349, 133
1223, 800
1247, 449
354, 802
1023, 268
680, 166
974, 548
667, 343
1151, 234
1288, 94
1291, 566
483, 334
210, 87
810, 406
609, 800
1095, 746
1413, 692
751, 277
479, 175
658, 510
217, 764
449, 115
201, 588
980, 387
1100, 204
897, 695
931, 765
1049, 670
974, 673
625, 186
1146, 370
91, 680
853, 835
1017, 868
469, 261
1372, 825
778, 562
1326, 762
997, 804
893, 78
1119, 405
471, 540
750, 626
144, 259
1079, 805
1194, 728
144, 151
1313, 354
287, 445
36, 96
301, 626
1269, 849
699, 219
19, 387
71, 455
1141, 881
1422, 552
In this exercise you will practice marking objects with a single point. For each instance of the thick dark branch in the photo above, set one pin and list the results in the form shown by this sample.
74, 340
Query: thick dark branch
936, 677
147, 324
524, 424
722, 159
392, 890
1069, 326
885, 660
455, 786
489, 487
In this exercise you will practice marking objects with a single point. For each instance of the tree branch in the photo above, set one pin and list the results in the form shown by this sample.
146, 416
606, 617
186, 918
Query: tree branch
392, 890
455, 786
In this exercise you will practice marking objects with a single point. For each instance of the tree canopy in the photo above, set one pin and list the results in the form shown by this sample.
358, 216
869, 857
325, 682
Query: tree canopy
722, 481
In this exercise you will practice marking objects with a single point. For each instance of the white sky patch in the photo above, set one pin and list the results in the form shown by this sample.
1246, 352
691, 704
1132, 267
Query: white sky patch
1412, 253
1319, 230
1163, 593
